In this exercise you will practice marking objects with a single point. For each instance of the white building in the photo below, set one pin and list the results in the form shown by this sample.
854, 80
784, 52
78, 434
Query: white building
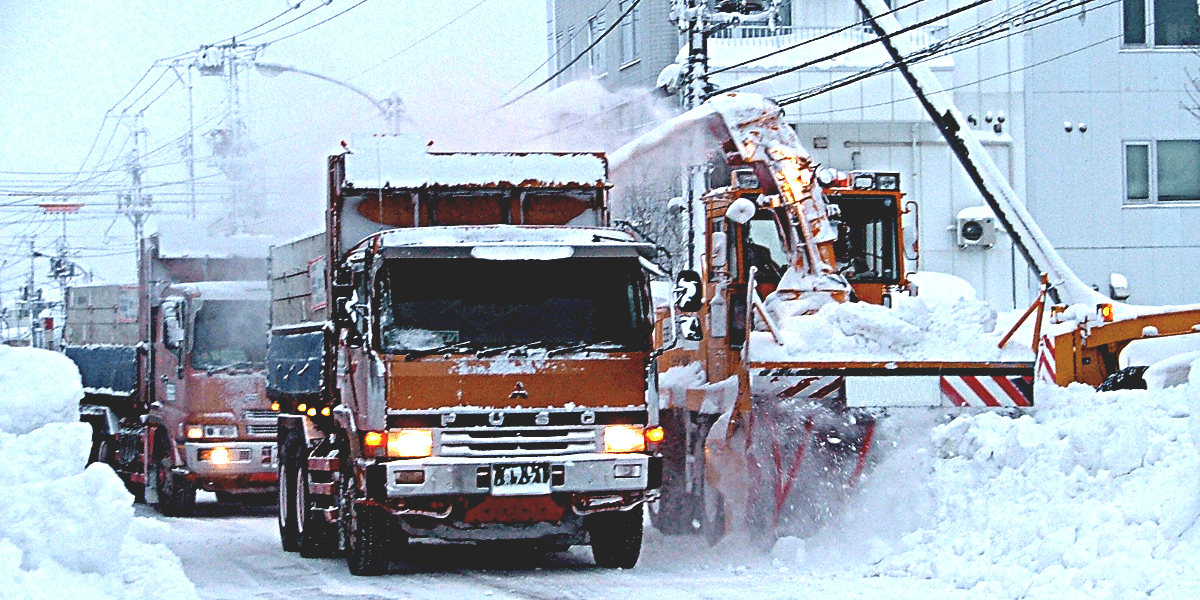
1117, 191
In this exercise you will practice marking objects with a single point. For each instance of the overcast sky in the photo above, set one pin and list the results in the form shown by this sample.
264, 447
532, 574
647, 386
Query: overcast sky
65, 63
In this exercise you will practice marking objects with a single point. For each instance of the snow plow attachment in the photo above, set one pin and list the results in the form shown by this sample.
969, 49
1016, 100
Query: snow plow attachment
786, 463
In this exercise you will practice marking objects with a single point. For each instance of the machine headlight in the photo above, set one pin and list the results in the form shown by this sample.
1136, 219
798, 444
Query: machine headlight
409, 443
624, 438
199, 432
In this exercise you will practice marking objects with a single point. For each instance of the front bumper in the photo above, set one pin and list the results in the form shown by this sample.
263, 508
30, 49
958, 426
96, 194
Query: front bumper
579, 473
246, 458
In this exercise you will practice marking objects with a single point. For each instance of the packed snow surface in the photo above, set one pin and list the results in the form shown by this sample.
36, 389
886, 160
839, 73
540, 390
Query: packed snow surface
1089, 495
945, 321
67, 531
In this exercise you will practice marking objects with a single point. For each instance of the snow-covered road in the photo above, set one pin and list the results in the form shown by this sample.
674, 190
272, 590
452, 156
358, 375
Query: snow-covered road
232, 552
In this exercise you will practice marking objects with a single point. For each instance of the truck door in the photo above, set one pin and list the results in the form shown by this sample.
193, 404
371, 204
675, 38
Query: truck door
169, 389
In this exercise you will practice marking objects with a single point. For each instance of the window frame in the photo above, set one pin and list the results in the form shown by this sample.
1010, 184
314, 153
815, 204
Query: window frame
1152, 183
597, 57
1149, 33
629, 30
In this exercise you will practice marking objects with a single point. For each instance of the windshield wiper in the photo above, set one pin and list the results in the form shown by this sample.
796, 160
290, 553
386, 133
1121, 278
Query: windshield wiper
583, 346
415, 354
502, 349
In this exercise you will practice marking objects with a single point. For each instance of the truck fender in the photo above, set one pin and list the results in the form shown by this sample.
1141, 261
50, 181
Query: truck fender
102, 419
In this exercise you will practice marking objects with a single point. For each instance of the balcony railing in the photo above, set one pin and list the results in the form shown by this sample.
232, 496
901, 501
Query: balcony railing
778, 37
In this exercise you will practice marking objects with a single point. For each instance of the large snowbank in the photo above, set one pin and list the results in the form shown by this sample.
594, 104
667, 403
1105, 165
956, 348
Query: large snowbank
67, 530
1091, 495
945, 321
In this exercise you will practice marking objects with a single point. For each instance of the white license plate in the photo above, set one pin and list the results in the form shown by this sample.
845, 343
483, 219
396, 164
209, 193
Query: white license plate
522, 479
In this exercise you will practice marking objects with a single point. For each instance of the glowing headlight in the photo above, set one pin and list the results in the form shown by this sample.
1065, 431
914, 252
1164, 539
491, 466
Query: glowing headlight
410, 443
624, 438
219, 456
197, 432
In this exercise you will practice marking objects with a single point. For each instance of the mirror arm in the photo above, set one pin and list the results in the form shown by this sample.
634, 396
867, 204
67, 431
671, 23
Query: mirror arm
674, 329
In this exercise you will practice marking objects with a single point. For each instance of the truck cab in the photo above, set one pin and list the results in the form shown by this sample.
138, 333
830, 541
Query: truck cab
210, 424
464, 355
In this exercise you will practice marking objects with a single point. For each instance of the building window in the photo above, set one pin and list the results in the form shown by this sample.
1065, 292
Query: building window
596, 58
568, 54
629, 33
1164, 171
1173, 23
559, 55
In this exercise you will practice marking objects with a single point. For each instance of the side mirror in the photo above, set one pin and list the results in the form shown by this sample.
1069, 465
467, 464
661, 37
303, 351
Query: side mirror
717, 250
342, 293
690, 326
689, 295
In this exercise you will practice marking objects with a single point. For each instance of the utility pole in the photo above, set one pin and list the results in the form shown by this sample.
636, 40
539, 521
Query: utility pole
137, 207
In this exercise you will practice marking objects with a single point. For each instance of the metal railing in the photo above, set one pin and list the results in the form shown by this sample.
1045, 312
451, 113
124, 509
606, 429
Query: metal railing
778, 37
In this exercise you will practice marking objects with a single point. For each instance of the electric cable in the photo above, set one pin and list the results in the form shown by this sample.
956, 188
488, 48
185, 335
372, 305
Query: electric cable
628, 11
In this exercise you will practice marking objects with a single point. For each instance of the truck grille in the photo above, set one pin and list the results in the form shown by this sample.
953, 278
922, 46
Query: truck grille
519, 441
261, 423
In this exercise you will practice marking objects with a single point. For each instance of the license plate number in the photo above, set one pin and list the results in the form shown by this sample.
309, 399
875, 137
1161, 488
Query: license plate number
521, 479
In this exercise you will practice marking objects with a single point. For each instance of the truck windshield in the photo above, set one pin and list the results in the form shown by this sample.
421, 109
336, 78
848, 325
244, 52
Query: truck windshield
230, 333
584, 303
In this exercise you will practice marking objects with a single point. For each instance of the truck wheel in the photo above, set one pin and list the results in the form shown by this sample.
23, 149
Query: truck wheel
675, 509
369, 541
176, 495
317, 536
1129, 378
673, 512
616, 537
289, 532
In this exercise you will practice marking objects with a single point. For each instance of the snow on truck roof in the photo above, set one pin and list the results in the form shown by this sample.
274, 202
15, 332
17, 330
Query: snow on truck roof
223, 290
401, 161
183, 239
513, 242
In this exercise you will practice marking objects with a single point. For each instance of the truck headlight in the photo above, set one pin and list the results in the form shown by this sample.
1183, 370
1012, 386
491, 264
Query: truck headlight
198, 432
624, 438
409, 443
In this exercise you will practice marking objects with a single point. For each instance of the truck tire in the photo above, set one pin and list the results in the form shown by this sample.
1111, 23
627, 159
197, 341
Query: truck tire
369, 540
289, 532
675, 510
1129, 378
176, 495
616, 537
317, 536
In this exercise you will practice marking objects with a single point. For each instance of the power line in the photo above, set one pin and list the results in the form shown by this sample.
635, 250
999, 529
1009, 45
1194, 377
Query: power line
554, 55
968, 39
629, 10
844, 51
418, 42
811, 40
281, 25
317, 24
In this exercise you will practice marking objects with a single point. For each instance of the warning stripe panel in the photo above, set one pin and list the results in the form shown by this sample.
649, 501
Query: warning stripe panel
1045, 360
984, 392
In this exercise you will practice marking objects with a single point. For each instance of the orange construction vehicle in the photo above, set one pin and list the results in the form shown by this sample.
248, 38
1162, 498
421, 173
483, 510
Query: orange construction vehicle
465, 354
762, 439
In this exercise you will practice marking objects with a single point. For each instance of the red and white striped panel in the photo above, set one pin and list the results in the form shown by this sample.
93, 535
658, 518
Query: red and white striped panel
812, 387
1044, 369
993, 391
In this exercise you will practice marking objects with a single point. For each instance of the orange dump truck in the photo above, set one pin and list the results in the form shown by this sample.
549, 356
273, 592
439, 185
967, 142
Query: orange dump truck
464, 354
173, 374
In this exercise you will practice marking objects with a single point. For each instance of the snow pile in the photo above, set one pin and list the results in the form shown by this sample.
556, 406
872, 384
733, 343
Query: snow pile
944, 322
67, 531
1093, 495
42, 387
